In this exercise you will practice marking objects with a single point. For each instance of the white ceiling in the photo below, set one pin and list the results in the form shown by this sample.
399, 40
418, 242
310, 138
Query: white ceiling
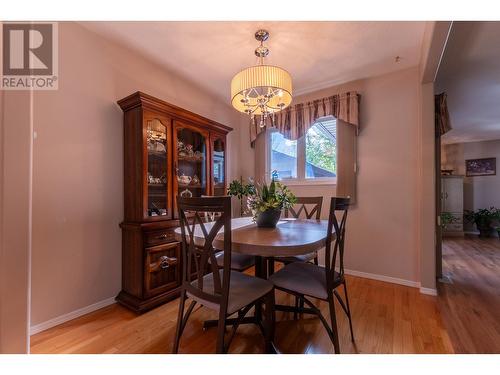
317, 54
470, 75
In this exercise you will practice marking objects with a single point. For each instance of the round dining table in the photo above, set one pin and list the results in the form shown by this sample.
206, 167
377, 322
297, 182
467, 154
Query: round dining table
291, 237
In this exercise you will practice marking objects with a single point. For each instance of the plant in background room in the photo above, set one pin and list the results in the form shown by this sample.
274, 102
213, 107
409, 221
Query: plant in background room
446, 219
483, 218
265, 201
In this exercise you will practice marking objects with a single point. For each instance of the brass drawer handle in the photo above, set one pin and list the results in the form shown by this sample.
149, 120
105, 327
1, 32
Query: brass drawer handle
163, 236
166, 262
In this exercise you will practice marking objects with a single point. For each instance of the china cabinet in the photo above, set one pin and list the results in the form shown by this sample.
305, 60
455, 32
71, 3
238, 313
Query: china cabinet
168, 151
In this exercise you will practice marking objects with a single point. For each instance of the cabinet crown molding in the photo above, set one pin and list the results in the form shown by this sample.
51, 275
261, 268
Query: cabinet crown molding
140, 98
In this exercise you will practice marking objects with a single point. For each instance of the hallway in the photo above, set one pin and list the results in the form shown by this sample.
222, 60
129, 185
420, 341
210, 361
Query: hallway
470, 305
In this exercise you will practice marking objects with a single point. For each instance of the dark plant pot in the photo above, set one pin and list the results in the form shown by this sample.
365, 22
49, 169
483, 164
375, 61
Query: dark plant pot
484, 231
268, 219
498, 232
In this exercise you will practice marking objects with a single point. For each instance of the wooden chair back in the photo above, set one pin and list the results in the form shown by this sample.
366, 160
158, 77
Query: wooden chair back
301, 202
202, 254
334, 249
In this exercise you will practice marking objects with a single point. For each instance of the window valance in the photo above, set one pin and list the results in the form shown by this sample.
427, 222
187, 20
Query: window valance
442, 117
294, 121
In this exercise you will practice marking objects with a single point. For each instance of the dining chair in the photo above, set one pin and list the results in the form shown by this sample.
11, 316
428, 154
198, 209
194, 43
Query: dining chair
297, 211
306, 279
239, 262
220, 289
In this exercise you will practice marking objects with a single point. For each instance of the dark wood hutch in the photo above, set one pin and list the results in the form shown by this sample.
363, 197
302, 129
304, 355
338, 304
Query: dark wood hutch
168, 151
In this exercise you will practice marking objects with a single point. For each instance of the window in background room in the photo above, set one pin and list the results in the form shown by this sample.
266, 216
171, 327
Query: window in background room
310, 158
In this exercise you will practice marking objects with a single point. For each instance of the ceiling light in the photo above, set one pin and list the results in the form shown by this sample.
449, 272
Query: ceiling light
261, 90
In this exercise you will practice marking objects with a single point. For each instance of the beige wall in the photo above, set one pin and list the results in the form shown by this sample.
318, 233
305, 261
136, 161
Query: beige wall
382, 235
78, 168
15, 182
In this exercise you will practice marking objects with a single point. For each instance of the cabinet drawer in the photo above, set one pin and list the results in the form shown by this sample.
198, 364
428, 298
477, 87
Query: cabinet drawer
162, 268
158, 237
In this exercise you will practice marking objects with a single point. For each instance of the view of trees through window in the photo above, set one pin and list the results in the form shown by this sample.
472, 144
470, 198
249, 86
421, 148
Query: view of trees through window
321, 151
312, 156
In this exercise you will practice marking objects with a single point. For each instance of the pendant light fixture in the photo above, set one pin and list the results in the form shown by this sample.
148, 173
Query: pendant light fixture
261, 90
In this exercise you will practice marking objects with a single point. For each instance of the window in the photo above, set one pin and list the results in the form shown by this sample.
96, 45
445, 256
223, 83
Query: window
283, 156
310, 158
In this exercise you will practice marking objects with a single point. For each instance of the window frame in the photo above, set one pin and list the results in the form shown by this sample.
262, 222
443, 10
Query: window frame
301, 162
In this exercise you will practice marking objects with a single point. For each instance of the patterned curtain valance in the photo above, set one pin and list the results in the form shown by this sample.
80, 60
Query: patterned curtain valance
294, 121
442, 117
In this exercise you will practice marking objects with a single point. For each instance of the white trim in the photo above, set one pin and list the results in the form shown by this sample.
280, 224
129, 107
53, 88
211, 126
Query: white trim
71, 315
329, 181
428, 291
388, 279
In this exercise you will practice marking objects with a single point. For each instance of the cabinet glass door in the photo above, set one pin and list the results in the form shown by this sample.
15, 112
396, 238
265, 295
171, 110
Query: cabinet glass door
191, 164
157, 177
219, 166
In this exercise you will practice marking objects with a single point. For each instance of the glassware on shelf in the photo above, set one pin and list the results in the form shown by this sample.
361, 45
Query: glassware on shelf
218, 167
191, 167
157, 167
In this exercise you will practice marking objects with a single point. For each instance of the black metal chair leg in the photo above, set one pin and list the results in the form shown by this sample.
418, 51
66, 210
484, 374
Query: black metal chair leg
348, 311
270, 321
221, 331
270, 266
295, 314
180, 318
333, 319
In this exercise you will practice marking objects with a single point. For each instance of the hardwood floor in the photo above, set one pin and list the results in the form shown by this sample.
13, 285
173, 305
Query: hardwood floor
470, 306
387, 318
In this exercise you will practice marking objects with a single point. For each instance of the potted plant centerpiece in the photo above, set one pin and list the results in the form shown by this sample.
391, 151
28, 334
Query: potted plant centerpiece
265, 201
483, 218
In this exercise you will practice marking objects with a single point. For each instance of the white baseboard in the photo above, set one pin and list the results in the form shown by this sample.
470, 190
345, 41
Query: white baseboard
429, 291
388, 279
70, 316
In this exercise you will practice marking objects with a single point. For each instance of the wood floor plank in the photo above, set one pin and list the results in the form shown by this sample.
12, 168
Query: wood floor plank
387, 318
470, 306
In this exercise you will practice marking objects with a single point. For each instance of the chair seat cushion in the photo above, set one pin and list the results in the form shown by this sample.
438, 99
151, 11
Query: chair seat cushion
243, 290
303, 278
297, 258
239, 262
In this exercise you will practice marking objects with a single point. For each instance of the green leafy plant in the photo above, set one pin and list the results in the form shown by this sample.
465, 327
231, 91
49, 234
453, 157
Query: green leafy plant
276, 196
447, 218
263, 197
483, 218
238, 189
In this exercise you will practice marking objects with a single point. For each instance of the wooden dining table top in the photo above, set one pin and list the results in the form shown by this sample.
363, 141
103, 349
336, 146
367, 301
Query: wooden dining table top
291, 237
